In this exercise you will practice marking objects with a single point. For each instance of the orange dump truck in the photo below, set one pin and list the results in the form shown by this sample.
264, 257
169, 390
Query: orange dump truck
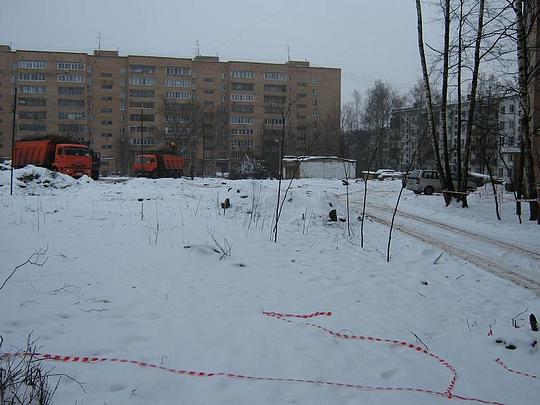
158, 165
68, 158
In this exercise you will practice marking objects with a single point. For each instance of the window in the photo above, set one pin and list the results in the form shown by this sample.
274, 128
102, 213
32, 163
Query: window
70, 78
243, 86
71, 91
243, 97
242, 131
106, 110
301, 95
70, 65
243, 74
122, 106
33, 77
275, 87
70, 103
142, 69
208, 103
105, 74
503, 110
71, 115
243, 143
316, 113
178, 83
142, 93
502, 125
138, 129
512, 108
273, 121
208, 91
301, 84
106, 135
242, 108
178, 71
32, 64
142, 81
243, 120
139, 104
32, 115
300, 106
275, 76
106, 146
273, 109
179, 94
106, 98
209, 79
145, 117
41, 102
171, 118
33, 89
315, 90
106, 122
274, 99
33, 127
71, 128
137, 141
107, 84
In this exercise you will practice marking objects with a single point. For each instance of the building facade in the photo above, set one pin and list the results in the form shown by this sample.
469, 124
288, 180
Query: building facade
211, 112
494, 143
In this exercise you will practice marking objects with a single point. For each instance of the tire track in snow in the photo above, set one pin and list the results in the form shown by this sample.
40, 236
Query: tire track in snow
470, 256
510, 247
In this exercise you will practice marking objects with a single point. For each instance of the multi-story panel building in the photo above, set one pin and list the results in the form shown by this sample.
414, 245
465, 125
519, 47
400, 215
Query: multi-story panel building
213, 113
495, 139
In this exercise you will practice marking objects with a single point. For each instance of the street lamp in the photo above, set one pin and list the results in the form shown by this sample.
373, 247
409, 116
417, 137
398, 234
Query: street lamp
13, 129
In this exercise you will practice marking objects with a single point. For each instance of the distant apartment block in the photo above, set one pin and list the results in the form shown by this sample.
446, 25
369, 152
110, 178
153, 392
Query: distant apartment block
495, 138
213, 113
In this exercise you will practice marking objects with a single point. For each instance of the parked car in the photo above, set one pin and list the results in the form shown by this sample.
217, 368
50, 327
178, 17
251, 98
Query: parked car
384, 174
427, 182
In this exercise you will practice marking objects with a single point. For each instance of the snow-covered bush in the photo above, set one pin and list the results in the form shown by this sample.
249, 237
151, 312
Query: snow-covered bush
250, 168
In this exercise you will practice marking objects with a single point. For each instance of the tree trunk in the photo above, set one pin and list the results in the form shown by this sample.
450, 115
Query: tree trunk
459, 96
449, 186
526, 160
472, 102
427, 90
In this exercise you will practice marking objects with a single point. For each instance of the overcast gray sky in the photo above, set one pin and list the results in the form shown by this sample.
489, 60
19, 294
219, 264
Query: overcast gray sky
367, 39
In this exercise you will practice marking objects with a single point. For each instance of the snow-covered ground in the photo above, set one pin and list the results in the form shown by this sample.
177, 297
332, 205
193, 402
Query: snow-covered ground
155, 271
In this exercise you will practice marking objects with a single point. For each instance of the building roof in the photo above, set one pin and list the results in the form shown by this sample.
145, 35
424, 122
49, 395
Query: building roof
316, 159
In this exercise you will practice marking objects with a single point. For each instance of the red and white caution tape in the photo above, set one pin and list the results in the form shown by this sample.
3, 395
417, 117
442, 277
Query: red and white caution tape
499, 361
448, 393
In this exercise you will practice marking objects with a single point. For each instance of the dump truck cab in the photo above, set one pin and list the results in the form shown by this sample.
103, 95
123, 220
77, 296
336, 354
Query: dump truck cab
158, 165
145, 165
73, 159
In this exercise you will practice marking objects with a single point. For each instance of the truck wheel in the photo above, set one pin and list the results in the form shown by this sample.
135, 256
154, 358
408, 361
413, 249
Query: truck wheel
416, 192
428, 190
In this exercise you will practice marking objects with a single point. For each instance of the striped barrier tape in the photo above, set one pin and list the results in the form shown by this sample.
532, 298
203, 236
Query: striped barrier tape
499, 362
448, 393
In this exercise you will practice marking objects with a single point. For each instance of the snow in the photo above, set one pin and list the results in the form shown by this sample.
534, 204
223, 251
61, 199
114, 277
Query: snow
138, 269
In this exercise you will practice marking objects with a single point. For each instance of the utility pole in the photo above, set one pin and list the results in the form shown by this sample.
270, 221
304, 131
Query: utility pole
202, 132
142, 136
13, 129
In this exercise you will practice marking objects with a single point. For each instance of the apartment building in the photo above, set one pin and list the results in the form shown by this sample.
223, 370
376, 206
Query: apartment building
494, 142
211, 112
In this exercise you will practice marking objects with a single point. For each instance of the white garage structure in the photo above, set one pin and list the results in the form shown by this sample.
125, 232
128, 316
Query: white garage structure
322, 167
